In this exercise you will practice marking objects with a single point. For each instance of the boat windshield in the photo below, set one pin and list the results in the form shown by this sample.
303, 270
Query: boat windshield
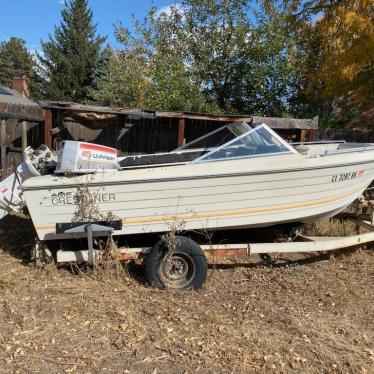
234, 140
217, 137
258, 141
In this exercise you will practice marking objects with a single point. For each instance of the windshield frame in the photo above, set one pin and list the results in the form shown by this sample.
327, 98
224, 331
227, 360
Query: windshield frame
184, 147
290, 149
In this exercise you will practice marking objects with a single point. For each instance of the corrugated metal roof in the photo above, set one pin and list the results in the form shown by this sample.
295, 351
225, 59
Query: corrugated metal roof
14, 97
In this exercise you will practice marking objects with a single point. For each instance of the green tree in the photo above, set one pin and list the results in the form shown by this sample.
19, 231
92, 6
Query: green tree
187, 55
276, 62
170, 82
305, 100
15, 61
121, 84
205, 56
243, 59
71, 57
102, 64
150, 70
219, 36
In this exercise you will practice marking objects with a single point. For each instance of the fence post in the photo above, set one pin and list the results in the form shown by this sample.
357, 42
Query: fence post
181, 127
313, 135
48, 128
24, 135
3, 149
302, 135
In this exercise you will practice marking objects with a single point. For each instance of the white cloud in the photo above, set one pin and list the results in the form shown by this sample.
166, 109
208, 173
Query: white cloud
167, 9
35, 51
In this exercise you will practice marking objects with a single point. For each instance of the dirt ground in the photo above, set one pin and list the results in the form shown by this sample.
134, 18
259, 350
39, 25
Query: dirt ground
310, 314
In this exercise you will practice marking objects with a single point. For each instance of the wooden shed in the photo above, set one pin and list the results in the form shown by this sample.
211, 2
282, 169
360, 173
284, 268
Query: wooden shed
149, 131
22, 122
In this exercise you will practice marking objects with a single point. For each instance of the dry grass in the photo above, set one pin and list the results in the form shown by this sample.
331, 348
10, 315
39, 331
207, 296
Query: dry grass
308, 316
330, 227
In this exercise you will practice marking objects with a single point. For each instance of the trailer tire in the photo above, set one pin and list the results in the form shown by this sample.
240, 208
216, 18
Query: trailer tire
185, 267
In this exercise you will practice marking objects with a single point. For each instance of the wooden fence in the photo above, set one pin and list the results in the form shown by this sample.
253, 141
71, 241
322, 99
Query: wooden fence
150, 131
141, 135
17, 131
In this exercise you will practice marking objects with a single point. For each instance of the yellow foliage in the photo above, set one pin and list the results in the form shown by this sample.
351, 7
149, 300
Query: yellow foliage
347, 46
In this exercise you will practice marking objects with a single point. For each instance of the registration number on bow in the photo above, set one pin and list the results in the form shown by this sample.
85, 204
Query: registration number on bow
347, 176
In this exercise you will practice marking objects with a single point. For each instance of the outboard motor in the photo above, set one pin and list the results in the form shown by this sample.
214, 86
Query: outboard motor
36, 162
73, 158
81, 158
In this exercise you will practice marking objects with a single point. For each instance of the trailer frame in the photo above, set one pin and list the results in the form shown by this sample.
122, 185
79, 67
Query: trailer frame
301, 244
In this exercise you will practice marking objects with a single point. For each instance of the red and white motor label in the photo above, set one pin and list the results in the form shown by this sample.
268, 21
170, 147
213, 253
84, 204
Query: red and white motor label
99, 153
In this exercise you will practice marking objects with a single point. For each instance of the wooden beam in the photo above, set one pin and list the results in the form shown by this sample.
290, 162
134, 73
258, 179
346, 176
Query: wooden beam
274, 122
313, 135
302, 136
72, 107
48, 128
203, 116
3, 141
181, 128
20, 117
24, 135
60, 118
288, 123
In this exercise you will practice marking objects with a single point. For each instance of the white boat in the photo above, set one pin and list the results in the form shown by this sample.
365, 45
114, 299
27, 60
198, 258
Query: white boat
238, 176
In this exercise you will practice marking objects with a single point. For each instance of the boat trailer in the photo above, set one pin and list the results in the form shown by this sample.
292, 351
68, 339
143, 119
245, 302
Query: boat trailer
178, 262
182, 263
301, 243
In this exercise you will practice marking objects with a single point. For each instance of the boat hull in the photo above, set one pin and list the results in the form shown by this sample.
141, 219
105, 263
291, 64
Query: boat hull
220, 195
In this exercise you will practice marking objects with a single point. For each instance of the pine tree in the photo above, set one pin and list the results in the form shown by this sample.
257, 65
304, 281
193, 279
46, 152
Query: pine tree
15, 60
71, 56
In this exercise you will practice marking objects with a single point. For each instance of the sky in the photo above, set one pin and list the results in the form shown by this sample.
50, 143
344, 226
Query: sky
33, 20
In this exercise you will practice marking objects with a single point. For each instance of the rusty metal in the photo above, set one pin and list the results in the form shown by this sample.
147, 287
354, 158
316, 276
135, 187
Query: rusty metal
228, 252
221, 250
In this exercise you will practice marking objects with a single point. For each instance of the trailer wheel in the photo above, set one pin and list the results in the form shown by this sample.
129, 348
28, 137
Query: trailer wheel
185, 267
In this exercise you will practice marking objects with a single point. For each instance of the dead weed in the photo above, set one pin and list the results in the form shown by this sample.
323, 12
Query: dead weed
330, 227
307, 319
